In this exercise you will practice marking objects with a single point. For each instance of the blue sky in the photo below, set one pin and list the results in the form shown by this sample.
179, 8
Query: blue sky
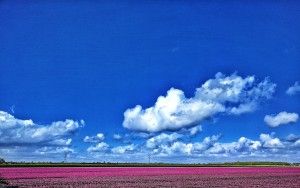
90, 62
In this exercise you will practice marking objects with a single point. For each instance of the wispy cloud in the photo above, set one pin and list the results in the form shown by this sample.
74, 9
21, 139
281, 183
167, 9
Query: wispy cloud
294, 89
117, 136
281, 119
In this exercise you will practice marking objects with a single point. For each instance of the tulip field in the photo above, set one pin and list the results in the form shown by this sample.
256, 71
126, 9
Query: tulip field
150, 177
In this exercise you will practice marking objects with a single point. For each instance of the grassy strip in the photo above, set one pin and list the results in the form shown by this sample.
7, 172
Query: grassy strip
233, 164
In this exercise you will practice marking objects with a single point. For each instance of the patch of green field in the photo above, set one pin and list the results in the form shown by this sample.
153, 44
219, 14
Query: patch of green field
108, 164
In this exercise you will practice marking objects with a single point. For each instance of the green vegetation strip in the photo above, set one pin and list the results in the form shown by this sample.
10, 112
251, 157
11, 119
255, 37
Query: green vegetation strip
107, 164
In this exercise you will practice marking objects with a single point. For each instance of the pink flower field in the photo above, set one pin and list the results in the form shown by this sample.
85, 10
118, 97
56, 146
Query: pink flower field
151, 177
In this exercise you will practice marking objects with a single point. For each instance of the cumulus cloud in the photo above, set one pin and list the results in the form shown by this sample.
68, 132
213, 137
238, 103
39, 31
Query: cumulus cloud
281, 118
195, 130
17, 132
26, 140
269, 142
162, 138
117, 136
38, 153
123, 149
296, 143
293, 89
173, 146
185, 148
94, 139
54, 150
166, 145
100, 147
224, 94
292, 137
242, 145
169, 145
132, 137
210, 145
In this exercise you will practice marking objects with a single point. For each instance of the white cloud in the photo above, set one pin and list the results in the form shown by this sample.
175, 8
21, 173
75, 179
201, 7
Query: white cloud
232, 94
269, 142
207, 143
54, 150
38, 153
195, 130
100, 147
241, 146
292, 137
117, 136
162, 138
29, 141
123, 149
243, 108
17, 132
94, 139
281, 118
131, 137
169, 145
296, 143
61, 142
210, 146
293, 89
185, 148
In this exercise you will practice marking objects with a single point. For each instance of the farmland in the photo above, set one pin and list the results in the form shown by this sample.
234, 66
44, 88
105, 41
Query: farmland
150, 176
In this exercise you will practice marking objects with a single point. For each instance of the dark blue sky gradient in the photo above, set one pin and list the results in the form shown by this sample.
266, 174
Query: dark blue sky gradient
92, 60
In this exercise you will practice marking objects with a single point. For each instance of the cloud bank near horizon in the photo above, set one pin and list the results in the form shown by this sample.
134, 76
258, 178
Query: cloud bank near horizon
25, 138
171, 146
17, 132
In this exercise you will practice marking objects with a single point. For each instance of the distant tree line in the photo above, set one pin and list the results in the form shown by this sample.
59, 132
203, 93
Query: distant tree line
109, 164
